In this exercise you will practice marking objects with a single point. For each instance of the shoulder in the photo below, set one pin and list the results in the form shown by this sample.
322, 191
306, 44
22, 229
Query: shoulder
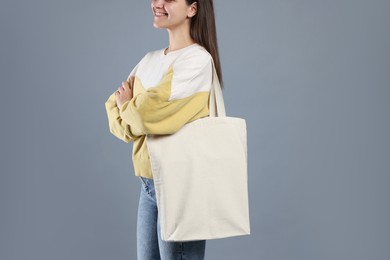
193, 62
196, 56
192, 73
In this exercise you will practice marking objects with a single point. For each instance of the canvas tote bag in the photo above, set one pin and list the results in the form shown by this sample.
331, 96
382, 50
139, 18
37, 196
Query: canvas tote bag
200, 176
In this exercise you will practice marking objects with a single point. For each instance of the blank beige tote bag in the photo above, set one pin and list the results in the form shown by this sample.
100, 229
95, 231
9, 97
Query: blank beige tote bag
200, 176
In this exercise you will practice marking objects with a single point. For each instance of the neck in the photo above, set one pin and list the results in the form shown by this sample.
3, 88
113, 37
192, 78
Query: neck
179, 38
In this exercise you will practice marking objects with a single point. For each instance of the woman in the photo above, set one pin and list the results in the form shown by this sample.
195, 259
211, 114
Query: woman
167, 89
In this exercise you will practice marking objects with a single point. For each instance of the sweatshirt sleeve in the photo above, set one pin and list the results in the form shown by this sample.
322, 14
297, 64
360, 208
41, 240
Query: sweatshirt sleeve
180, 97
118, 127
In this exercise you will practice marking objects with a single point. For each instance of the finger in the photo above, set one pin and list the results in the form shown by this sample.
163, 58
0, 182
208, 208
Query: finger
131, 81
125, 85
121, 89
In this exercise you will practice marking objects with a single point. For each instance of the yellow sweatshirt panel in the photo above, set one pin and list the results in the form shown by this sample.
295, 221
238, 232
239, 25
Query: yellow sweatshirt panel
151, 112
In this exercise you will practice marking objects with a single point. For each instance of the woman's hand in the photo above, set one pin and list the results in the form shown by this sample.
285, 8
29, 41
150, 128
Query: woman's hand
124, 92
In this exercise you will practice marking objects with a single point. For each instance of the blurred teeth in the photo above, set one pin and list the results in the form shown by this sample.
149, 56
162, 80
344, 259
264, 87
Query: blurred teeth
160, 14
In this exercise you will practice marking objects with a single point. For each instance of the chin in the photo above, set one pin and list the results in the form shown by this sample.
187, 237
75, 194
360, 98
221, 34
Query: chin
157, 26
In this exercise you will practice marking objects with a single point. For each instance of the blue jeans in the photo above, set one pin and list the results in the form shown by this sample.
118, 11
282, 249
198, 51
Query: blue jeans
149, 243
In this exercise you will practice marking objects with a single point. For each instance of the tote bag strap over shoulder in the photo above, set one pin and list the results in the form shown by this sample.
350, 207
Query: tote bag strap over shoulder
216, 103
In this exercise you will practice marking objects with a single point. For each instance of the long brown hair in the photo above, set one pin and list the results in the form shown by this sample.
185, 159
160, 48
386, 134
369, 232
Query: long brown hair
204, 32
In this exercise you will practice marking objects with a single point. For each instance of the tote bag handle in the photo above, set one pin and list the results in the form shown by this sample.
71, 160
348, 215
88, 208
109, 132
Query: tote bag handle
216, 104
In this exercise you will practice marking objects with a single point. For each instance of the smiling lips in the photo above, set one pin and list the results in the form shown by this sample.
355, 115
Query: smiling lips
157, 13
160, 14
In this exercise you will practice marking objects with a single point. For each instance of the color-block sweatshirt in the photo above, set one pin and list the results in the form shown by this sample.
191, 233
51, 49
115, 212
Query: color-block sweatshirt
170, 90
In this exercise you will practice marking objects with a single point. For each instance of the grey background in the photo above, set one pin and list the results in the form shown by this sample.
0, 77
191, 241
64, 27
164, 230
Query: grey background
310, 77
